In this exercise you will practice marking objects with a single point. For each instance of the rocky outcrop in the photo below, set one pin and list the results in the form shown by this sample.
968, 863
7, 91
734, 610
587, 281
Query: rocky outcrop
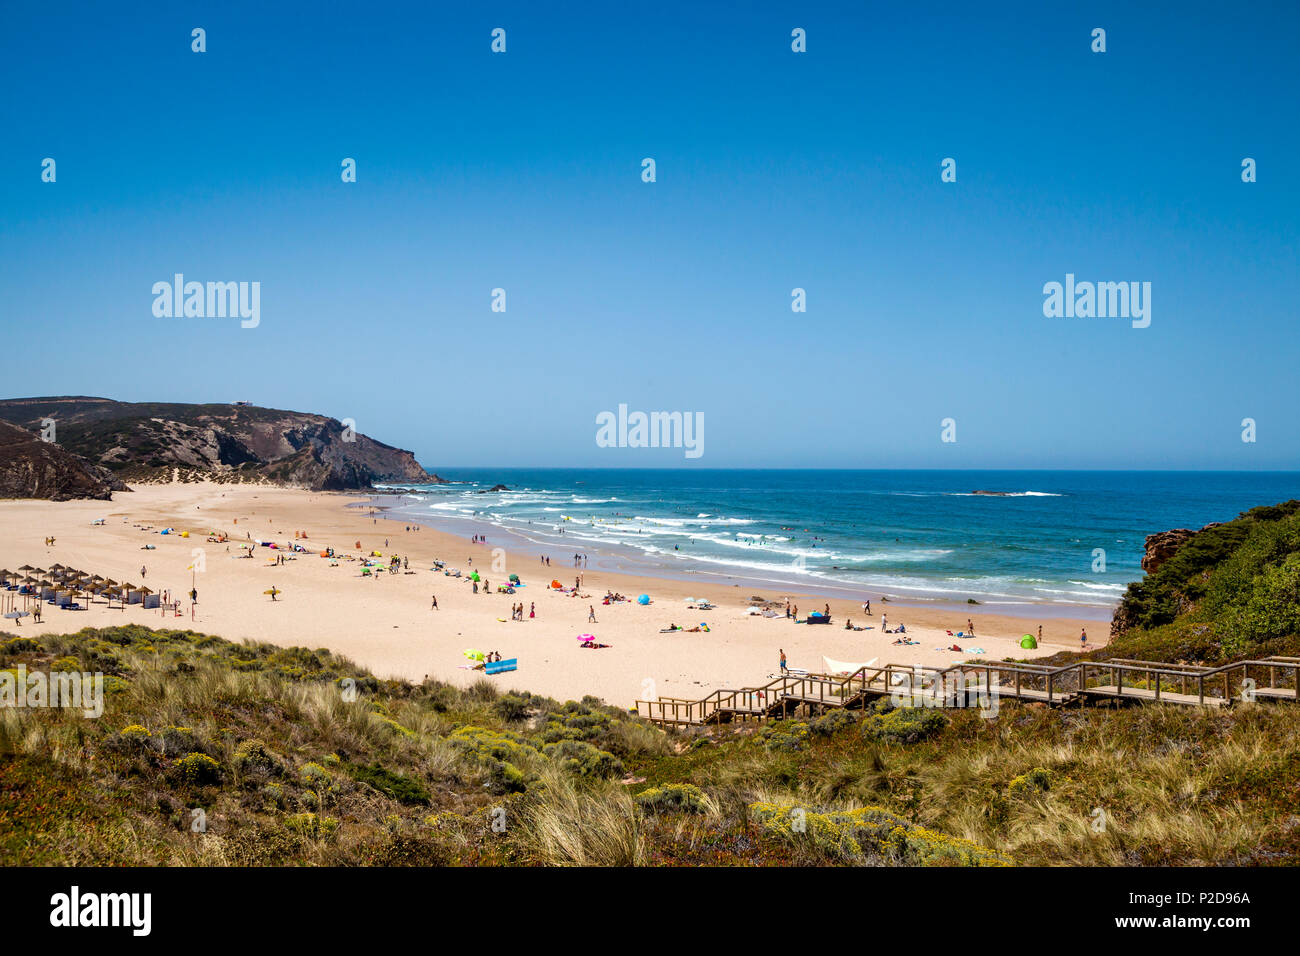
154, 441
1162, 545
32, 468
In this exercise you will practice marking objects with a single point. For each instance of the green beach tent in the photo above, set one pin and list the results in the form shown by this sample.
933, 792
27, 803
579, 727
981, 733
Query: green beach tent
1028, 642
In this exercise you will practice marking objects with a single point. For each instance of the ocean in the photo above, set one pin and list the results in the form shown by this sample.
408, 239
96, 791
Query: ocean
1052, 541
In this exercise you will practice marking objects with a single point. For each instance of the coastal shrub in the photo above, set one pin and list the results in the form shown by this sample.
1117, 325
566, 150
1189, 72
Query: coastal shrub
904, 725
315, 777
177, 740
575, 721
395, 727
253, 758
65, 665
511, 707
199, 769
309, 824
482, 690
871, 835
132, 738
22, 645
582, 759
1035, 781
783, 736
1219, 569
400, 787
1269, 607
441, 697
500, 752
673, 798
831, 722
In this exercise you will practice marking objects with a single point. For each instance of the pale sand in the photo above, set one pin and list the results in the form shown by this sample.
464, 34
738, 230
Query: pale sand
387, 624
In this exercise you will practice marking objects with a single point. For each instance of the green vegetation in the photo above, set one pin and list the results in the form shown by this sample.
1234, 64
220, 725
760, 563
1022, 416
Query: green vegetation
1232, 590
297, 756
288, 770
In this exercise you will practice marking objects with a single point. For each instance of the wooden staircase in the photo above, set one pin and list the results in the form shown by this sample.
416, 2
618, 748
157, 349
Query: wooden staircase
981, 684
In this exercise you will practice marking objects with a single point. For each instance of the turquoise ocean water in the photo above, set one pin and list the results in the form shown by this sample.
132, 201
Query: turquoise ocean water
919, 536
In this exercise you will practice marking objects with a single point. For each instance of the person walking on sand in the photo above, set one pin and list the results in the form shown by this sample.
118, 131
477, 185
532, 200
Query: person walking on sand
1040, 633
970, 628
884, 623
435, 602
784, 666
1083, 638
532, 609
591, 614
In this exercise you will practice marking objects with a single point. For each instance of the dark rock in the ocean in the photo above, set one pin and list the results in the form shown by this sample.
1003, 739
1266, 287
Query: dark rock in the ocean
32, 468
993, 494
488, 491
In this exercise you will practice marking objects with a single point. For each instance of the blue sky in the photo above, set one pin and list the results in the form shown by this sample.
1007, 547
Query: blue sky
775, 170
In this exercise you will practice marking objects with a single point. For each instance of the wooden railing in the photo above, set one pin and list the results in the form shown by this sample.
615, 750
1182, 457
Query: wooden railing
946, 686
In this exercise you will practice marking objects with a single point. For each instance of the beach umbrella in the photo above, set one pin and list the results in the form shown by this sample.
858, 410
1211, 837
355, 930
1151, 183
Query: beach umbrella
474, 655
475, 577
145, 590
643, 599
515, 578
586, 637
27, 567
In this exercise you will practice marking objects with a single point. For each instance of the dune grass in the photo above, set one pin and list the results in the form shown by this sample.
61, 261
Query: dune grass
215, 753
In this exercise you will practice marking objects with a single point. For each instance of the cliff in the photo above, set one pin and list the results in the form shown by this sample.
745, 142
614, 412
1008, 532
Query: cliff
1230, 588
146, 441
32, 468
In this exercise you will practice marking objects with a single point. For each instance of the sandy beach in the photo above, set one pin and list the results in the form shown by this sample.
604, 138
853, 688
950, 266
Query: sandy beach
385, 621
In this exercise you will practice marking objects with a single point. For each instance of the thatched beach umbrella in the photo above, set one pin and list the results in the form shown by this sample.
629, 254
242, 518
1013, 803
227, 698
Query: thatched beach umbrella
27, 567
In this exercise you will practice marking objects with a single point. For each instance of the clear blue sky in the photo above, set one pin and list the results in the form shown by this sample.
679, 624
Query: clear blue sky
775, 170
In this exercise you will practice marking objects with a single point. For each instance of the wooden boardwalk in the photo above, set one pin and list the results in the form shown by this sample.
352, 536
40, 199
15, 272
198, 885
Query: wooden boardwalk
1119, 682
